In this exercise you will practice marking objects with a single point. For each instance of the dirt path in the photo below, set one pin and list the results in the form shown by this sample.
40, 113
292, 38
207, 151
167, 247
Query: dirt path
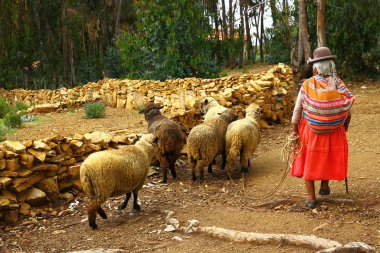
219, 202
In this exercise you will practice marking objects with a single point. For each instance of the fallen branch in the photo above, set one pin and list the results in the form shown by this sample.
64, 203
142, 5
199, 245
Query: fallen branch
306, 241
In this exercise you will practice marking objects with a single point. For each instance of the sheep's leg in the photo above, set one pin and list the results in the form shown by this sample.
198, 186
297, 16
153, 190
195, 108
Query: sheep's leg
91, 213
164, 164
192, 164
102, 213
224, 162
136, 206
244, 161
209, 168
172, 159
125, 202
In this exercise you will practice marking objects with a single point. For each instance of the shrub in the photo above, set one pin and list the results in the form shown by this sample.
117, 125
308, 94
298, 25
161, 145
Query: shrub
94, 110
224, 73
20, 106
4, 108
3, 132
12, 120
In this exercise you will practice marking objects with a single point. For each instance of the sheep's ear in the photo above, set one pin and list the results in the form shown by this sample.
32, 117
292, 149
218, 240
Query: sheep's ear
155, 139
159, 108
219, 113
205, 101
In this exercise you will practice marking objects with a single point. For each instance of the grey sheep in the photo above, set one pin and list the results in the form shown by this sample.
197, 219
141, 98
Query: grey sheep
170, 138
114, 172
206, 141
242, 138
211, 108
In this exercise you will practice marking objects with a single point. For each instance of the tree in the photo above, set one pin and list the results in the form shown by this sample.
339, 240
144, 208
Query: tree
171, 41
321, 34
304, 32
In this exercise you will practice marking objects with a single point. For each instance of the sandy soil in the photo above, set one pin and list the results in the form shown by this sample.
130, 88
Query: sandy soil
218, 201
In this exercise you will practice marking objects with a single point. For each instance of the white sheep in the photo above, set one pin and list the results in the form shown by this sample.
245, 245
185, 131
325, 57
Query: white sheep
206, 141
242, 138
211, 108
114, 172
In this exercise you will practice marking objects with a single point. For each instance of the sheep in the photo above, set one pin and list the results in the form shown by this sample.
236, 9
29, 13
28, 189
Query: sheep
242, 138
170, 138
211, 108
206, 141
114, 172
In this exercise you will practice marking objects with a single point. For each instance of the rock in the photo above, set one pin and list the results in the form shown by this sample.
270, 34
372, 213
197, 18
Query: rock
15, 146
121, 139
2, 164
40, 155
10, 216
45, 167
57, 232
40, 146
64, 184
45, 108
27, 160
66, 196
73, 171
177, 238
25, 208
98, 137
24, 172
50, 187
33, 196
4, 182
21, 184
12, 164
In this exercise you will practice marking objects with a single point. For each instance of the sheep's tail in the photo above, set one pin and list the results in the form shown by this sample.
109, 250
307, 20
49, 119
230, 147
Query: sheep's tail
86, 183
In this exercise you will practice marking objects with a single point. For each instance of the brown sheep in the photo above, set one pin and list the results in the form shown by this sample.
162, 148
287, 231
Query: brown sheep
170, 138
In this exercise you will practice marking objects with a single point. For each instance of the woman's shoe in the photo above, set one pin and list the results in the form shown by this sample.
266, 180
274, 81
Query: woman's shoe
324, 191
311, 203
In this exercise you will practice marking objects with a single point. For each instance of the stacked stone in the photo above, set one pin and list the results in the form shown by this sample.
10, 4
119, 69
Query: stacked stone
33, 173
271, 90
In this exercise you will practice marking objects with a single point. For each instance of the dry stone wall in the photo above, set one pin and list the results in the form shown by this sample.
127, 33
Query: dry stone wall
35, 172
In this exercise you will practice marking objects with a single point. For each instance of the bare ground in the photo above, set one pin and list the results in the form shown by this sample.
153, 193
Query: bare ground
218, 201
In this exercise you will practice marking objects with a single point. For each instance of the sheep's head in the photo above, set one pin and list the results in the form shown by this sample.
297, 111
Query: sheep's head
151, 110
253, 111
207, 103
149, 141
228, 115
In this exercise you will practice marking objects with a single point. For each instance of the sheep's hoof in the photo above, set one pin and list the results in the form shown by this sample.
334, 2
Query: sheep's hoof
122, 206
137, 207
164, 181
94, 226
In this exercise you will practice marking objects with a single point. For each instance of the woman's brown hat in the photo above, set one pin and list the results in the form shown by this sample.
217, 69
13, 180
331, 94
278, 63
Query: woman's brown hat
321, 54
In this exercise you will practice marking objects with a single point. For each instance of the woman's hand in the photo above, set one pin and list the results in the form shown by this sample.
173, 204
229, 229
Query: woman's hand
295, 130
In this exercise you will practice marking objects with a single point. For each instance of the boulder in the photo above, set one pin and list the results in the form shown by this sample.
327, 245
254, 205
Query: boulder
50, 187
33, 196
15, 146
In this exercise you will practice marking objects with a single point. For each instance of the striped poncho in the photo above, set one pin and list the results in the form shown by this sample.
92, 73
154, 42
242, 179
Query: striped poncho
325, 107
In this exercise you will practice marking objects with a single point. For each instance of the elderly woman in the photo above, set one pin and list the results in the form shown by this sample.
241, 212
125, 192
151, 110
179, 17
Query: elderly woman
321, 117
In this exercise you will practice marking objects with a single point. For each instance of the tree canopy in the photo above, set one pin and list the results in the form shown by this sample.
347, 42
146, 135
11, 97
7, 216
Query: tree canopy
50, 44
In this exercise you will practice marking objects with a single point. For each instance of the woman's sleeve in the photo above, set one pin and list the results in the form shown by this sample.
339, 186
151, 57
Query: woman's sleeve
297, 112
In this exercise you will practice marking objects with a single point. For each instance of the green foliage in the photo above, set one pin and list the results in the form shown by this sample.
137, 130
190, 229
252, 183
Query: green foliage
3, 132
352, 31
223, 73
12, 120
171, 41
94, 110
20, 106
4, 108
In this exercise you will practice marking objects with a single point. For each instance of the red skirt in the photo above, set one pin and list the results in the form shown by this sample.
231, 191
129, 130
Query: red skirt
323, 157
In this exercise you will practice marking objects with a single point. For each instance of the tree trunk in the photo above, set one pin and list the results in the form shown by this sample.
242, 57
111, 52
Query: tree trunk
231, 56
321, 7
274, 11
247, 31
64, 41
262, 30
72, 66
224, 21
304, 30
117, 19
241, 33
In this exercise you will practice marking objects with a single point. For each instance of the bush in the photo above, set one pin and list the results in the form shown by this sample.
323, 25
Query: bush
94, 110
20, 106
13, 120
4, 108
3, 132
